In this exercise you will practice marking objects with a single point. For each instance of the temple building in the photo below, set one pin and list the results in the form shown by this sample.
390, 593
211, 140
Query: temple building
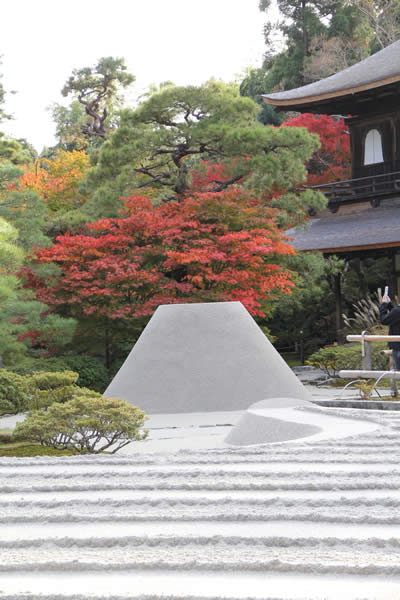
363, 215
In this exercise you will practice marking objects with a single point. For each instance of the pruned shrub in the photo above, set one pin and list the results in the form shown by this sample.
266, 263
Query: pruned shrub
53, 380
46, 388
87, 424
14, 396
333, 359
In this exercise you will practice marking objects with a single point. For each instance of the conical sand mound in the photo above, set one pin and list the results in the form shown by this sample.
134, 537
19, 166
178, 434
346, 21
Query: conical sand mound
203, 357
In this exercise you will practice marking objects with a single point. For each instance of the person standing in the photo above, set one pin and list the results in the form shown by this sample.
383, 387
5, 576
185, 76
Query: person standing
390, 315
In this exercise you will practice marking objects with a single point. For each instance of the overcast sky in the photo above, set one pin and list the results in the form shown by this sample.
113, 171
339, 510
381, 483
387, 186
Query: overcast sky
185, 41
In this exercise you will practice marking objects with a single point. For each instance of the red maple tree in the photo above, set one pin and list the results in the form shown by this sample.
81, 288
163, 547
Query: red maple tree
210, 247
332, 162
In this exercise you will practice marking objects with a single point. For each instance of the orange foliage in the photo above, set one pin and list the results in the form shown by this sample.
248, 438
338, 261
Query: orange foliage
57, 180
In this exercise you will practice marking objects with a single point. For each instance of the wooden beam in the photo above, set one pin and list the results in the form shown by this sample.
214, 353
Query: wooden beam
338, 250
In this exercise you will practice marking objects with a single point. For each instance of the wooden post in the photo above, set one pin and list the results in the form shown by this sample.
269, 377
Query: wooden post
366, 357
393, 382
339, 317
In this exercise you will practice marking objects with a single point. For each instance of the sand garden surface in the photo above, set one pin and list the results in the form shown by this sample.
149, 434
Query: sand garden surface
184, 515
244, 490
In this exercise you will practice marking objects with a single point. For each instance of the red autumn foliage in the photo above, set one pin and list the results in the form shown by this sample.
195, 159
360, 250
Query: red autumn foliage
332, 162
205, 176
209, 247
209, 176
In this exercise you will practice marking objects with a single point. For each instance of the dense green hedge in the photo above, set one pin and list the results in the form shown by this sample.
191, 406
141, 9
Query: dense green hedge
332, 359
92, 372
27, 366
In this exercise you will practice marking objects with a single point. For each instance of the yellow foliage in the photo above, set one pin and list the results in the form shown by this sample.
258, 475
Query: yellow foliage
57, 180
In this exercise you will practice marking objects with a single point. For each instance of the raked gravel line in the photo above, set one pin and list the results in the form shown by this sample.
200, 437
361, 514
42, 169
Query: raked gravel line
299, 521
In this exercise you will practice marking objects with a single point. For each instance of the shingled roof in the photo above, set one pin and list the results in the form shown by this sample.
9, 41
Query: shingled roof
371, 228
380, 69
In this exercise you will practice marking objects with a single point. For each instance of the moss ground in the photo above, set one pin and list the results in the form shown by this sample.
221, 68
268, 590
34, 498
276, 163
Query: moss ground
30, 449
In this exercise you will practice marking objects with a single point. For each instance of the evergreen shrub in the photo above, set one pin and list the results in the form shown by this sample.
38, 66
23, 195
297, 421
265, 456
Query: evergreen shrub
14, 396
92, 372
332, 359
87, 424
46, 388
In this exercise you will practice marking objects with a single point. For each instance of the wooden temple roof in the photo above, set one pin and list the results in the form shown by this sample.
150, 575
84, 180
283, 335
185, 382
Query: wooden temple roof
366, 229
349, 91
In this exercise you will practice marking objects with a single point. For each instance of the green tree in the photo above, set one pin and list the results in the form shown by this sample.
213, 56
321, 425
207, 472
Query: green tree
158, 146
23, 208
29, 328
348, 39
25, 323
302, 21
98, 89
69, 121
320, 38
87, 424
25, 211
11, 257
254, 86
305, 319
3, 114
383, 17
14, 151
29, 150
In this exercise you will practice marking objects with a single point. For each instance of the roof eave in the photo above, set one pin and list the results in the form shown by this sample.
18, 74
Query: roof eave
292, 103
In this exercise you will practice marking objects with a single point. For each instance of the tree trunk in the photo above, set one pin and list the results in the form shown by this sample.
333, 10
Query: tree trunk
304, 26
107, 344
357, 266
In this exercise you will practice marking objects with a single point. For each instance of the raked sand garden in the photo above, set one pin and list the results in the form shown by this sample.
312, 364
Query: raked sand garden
184, 515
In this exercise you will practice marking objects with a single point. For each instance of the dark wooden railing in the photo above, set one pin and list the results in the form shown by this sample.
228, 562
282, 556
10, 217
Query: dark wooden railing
373, 188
